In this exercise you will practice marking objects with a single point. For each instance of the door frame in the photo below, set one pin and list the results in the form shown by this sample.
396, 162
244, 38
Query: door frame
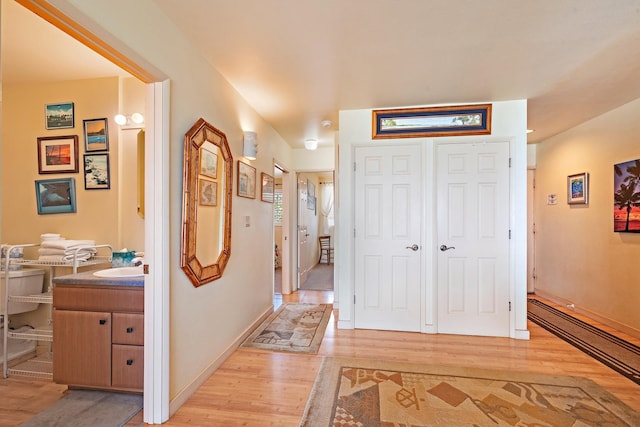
157, 138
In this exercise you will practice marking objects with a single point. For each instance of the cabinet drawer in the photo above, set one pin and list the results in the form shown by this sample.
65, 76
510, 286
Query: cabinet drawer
94, 298
128, 328
127, 368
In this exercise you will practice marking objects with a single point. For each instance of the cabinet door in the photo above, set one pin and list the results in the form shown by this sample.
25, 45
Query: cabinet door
128, 367
82, 348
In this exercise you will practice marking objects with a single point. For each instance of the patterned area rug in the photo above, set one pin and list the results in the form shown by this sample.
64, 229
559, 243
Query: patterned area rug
368, 393
618, 354
294, 327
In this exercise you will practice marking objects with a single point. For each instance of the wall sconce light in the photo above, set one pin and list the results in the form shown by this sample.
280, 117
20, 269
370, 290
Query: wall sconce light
250, 145
132, 121
311, 144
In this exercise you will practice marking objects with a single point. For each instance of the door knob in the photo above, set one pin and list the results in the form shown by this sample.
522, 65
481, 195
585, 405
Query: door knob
446, 248
413, 247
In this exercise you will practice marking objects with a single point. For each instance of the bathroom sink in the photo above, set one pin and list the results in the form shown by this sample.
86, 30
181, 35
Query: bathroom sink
120, 272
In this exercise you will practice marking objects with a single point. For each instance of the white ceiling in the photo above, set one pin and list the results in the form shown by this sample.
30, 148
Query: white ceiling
300, 62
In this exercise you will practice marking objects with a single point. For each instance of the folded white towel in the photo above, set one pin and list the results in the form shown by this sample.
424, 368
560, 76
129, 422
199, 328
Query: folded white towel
50, 236
81, 256
48, 251
65, 244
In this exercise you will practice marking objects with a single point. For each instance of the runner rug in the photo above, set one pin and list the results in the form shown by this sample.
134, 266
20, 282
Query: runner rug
294, 327
616, 353
89, 408
368, 393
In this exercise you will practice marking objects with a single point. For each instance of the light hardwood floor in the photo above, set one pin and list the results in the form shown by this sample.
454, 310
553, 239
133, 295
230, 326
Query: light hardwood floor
259, 388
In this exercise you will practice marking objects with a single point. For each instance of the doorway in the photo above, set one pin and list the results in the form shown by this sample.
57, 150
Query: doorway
315, 210
156, 227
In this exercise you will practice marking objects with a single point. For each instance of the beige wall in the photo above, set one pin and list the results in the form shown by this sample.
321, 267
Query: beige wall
579, 259
205, 321
23, 122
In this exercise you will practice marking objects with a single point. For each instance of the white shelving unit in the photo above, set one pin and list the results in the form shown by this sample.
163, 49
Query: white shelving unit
42, 365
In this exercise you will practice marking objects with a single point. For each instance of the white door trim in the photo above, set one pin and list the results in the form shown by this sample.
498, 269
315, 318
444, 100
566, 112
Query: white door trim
156, 295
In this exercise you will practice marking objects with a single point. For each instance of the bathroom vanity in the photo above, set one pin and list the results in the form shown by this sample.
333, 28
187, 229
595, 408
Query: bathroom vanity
98, 332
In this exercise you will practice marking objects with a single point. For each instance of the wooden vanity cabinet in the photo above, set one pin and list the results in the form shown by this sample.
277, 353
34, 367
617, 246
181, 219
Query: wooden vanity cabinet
98, 337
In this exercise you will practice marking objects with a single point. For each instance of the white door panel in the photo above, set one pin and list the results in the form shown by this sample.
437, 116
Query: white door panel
388, 217
473, 235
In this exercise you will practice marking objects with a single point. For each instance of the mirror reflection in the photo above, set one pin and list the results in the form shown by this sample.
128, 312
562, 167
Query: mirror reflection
206, 234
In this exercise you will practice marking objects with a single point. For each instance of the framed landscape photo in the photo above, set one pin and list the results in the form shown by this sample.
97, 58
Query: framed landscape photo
267, 188
578, 189
96, 135
455, 120
246, 180
56, 195
58, 154
59, 116
626, 197
96, 172
208, 163
208, 193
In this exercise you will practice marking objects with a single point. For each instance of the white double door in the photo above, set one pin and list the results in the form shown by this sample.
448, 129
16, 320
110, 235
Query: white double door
471, 239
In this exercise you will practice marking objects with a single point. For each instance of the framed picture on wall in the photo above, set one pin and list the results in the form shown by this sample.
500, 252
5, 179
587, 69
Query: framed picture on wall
578, 189
208, 192
59, 116
208, 163
626, 197
58, 154
432, 121
267, 188
56, 195
246, 180
96, 172
96, 135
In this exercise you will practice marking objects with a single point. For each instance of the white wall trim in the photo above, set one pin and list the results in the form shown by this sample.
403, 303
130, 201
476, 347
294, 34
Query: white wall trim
156, 295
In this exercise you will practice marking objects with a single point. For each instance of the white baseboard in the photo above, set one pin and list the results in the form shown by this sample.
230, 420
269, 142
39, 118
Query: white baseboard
184, 394
590, 314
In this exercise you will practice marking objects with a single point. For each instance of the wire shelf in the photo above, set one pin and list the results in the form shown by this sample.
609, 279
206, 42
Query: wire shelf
80, 263
46, 298
40, 334
40, 367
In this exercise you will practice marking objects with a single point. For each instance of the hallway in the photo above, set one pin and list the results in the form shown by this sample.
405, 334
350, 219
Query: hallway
258, 388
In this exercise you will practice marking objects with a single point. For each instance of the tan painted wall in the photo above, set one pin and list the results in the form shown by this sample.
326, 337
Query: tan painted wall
23, 122
204, 321
579, 259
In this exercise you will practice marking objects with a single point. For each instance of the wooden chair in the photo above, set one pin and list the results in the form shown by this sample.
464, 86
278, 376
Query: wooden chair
326, 248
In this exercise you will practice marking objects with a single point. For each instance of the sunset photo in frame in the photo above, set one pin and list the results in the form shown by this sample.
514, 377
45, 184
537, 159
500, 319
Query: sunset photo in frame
96, 135
425, 122
58, 154
578, 189
56, 195
626, 197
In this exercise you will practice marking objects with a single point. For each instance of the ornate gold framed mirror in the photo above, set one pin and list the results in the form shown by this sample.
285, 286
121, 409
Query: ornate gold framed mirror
206, 203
